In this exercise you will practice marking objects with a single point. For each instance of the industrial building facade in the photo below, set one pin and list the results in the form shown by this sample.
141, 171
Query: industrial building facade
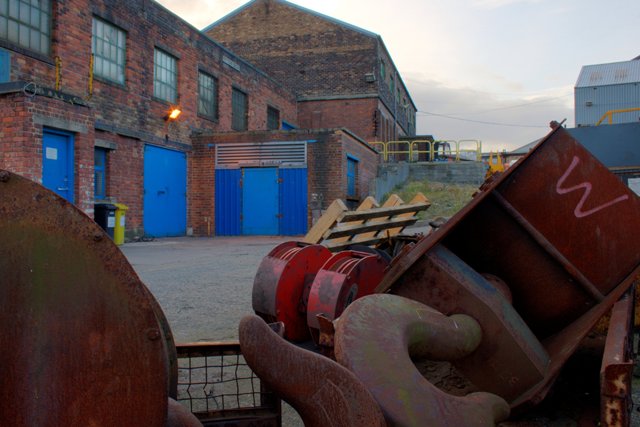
608, 88
342, 75
86, 88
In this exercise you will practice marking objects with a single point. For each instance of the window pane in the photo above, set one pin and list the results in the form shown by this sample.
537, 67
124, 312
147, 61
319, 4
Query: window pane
100, 173
207, 95
14, 10
25, 23
238, 110
109, 61
165, 77
273, 118
352, 173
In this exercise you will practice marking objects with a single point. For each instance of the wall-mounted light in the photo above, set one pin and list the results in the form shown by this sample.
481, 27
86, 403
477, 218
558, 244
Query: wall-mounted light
173, 114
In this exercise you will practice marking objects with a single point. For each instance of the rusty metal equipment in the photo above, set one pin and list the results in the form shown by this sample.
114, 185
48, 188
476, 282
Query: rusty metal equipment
86, 344
561, 231
418, 331
323, 392
617, 366
282, 284
345, 277
539, 255
84, 341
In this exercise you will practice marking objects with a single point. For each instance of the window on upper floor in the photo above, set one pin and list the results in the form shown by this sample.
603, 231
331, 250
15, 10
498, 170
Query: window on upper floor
207, 96
273, 118
383, 70
238, 110
108, 45
27, 24
392, 85
165, 76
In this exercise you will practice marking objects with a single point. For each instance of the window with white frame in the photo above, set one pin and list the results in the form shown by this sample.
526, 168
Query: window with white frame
108, 45
165, 76
27, 24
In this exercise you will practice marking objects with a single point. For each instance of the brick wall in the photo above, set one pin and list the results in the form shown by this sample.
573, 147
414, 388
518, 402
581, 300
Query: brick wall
357, 115
313, 55
201, 183
127, 115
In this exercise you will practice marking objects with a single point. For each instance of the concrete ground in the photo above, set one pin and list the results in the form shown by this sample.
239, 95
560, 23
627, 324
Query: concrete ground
202, 284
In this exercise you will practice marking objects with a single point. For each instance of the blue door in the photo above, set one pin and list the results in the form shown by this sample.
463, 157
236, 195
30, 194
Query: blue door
57, 163
260, 201
228, 202
165, 192
293, 201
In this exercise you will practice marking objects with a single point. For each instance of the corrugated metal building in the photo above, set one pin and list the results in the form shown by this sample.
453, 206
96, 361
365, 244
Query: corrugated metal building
604, 87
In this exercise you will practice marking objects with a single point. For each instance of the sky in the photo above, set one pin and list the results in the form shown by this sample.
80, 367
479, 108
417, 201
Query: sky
492, 70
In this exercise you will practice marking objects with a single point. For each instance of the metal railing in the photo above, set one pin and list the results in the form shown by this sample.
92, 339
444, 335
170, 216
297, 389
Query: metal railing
609, 114
429, 151
218, 387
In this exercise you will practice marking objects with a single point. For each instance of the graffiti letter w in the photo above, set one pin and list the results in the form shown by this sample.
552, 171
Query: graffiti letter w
586, 186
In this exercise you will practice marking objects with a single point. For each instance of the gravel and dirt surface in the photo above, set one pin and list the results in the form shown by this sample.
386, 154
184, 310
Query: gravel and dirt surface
203, 285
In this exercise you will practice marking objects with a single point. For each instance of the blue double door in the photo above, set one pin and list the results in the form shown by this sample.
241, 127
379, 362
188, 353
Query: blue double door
261, 201
165, 192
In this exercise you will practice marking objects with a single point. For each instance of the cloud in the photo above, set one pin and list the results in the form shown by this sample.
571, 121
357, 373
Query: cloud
201, 13
501, 124
494, 4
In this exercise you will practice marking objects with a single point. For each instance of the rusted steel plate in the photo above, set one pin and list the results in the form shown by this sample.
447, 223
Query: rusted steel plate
617, 366
584, 211
282, 282
323, 392
82, 343
559, 230
383, 359
345, 277
510, 360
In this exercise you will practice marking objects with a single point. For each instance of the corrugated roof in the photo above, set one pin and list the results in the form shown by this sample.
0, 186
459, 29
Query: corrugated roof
615, 73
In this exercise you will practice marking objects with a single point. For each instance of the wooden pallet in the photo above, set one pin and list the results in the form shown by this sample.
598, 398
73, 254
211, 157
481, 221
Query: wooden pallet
370, 224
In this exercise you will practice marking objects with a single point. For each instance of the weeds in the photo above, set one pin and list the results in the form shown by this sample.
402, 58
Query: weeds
446, 199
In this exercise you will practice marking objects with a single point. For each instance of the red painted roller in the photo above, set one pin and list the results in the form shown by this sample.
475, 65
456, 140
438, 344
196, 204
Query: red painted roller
345, 277
281, 286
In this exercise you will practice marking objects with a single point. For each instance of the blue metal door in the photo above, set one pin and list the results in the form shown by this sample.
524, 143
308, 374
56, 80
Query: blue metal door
228, 201
293, 201
260, 201
57, 163
165, 192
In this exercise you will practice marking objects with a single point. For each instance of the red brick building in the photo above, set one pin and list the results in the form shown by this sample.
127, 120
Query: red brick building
85, 92
343, 76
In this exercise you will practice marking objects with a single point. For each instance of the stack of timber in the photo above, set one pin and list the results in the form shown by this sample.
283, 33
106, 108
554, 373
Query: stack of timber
369, 225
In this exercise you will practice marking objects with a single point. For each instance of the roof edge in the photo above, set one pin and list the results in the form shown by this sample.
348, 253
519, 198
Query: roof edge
295, 6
